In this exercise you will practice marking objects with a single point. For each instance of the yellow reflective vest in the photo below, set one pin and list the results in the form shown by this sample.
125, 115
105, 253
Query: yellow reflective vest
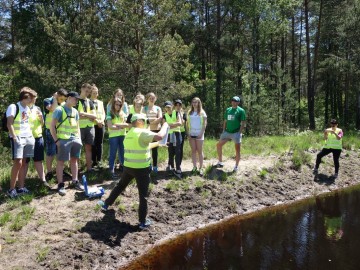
85, 122
69, 127
171, 120
332, 142
35, 123
136, 156
117, 132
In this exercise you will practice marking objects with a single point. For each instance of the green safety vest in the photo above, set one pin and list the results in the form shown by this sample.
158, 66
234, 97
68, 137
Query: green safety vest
17, 123
172, 120
197, 131
69, 126
85, 122
117, 132
332, 142
35, 123
135, 156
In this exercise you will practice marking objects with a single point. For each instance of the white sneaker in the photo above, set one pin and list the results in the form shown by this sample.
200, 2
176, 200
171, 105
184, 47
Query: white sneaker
201, 172
235, 169
220, 164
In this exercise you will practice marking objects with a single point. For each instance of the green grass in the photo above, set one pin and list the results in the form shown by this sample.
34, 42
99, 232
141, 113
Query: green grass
22, 218
4, 218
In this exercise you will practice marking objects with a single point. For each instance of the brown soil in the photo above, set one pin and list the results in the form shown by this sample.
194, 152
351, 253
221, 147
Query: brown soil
71, 233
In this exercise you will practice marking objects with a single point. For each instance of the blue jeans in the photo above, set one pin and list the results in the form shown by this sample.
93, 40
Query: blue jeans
116, 145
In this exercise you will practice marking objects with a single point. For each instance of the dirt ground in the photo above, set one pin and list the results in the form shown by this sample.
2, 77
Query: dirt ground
71, 233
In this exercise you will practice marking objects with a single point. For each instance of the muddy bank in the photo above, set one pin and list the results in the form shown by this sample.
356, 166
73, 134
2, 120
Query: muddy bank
71, 233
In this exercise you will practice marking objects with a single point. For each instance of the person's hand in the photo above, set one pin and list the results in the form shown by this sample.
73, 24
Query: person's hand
100, 125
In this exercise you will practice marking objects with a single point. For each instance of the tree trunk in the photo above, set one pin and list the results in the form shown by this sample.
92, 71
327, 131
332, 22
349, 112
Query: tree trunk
218, 56
310, 94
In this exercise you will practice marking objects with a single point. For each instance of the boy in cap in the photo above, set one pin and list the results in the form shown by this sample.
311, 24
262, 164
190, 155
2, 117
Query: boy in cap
233, 126
333, 144
137, 143
65, 131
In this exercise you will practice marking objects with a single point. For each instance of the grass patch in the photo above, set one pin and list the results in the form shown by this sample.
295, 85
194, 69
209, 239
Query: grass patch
300, 158
22, 218
41, 254
5, 218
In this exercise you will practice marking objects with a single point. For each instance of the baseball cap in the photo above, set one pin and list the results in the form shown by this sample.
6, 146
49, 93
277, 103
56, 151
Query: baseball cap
73, 94
235, 98
137, 116
177, 101
168, 103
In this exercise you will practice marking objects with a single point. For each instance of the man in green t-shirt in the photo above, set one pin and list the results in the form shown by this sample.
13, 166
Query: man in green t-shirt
234, 124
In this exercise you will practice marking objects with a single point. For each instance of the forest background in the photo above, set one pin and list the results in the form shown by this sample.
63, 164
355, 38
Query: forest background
295, 64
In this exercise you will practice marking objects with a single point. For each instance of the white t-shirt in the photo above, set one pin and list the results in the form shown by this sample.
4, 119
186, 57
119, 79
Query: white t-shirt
195, 123
24, 112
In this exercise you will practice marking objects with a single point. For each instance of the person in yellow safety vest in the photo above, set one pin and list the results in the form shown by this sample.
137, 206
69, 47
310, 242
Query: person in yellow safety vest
174, 119
36, 124
138, 143
21, 139
333, 144
97, 148
50, 104
196, 125
87, 115
178, 108
116, 126
65, 130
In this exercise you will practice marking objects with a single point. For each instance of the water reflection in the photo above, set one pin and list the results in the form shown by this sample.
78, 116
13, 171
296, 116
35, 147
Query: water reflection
320, 233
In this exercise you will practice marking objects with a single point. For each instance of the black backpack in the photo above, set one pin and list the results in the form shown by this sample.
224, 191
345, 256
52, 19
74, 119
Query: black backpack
4, 119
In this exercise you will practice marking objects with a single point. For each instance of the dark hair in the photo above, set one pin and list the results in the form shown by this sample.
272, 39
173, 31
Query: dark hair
333, 121
62, 92
26, 92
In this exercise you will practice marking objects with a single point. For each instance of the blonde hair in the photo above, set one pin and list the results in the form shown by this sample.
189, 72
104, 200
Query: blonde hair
199, 108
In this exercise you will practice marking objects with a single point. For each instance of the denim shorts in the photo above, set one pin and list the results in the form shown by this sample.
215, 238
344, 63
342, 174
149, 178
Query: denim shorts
87, 135
50, 145
235, 137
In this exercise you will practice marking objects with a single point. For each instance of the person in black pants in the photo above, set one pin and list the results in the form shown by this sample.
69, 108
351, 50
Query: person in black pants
333, 144
97, 148
178, 108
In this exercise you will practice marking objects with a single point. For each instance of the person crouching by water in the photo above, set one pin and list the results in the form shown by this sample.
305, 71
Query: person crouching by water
333, 144
138, 142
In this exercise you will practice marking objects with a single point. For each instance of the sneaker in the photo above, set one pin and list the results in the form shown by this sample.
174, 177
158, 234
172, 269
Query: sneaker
315, 171
76, 184
194, 170
146, 225
22, 191
335, 175
12, 193
178, 173
201, 172
103, 205
235, 169
169, 168
49, 176
220, 164
155, 169
46, 184
61, 189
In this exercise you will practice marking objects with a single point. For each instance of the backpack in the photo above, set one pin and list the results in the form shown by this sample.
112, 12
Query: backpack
4, 119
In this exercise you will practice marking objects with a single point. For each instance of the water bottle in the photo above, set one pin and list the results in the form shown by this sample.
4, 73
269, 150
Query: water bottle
85, 184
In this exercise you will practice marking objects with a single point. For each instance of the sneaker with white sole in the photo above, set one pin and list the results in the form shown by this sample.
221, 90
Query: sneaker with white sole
178, 173
103, 205
12, 193
220, 164
145, 225
201, 172
61, 189
235, 169
22, 191
76, 184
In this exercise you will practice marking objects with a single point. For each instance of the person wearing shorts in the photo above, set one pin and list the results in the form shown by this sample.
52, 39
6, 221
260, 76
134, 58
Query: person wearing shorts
234, 124
21, 139
87, 114
50, 104
66, 133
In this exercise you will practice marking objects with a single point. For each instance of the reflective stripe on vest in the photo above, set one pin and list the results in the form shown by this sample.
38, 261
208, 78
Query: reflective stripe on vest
85, 122
135, 155
172, 120
117, 132
69, 127
35, 123
332, 142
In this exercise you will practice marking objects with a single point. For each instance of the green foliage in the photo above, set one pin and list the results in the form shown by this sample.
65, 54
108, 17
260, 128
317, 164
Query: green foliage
22, 218
4, 218
41, 253
300, 158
